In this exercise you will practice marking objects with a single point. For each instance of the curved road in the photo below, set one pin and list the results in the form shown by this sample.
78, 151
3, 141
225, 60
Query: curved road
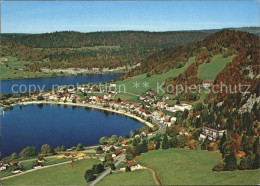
107, 171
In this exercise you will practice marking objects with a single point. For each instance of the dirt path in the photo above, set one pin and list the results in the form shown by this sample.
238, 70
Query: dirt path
155, 175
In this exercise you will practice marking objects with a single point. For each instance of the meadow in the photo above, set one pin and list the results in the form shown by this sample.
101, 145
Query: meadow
14, 69
208, 71
66, 174
136, 84
193, 167
139, 177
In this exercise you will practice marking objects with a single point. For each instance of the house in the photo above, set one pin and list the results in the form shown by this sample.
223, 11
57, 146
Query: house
93, 98
123, 143
182, 107
116, 153
212, 133
107, 97
17, 170
158, 114
133, 165
2, 168
146, 114
206, 84
112, 85
14, 163
37, 165
41, 159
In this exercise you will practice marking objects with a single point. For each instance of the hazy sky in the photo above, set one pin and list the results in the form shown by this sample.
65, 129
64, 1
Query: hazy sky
85, 16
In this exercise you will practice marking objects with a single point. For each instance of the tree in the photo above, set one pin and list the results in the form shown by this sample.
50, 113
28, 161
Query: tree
14, 155
120, 139
57, 149
151, 145
129, 157
45, 149
109, 157
89, 176
112, 166
256, 162
131, 134
158, 144
63, 148
230, 162
119, 100
98, 168
243, 163
222, 142
79, 147
99, 150
144, 146
112, 140
135, 142
165, 143
112, 149
181, 141
103, 140
138, 149
28, 152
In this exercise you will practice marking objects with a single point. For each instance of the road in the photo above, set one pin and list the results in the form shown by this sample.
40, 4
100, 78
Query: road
107, 171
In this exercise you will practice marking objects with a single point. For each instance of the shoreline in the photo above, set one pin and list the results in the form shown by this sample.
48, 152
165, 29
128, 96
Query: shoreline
65, 75
89, 106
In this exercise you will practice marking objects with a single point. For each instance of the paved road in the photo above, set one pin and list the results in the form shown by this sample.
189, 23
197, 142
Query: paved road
106, 171
32, 170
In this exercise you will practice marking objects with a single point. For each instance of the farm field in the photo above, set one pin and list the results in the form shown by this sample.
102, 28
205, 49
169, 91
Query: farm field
59, 175
151, 81
208, 71
139, 177
194, 167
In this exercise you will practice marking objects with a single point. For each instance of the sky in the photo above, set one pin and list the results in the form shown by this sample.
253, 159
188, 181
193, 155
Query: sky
90, 16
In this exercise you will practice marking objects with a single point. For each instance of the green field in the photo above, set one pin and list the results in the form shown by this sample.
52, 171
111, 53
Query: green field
127, 97
139, 177
152, 80
14, 69
193, 167
208, 71
59, 175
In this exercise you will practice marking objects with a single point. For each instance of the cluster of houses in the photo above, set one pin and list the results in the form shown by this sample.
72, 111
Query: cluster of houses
14, 164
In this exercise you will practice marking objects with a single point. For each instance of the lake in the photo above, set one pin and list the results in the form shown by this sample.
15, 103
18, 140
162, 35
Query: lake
46, 83
35, 125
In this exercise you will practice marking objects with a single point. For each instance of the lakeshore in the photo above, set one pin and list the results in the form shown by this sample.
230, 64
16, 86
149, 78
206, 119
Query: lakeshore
89, 106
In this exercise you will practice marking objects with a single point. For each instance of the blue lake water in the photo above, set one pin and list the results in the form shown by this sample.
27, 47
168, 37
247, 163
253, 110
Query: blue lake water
47, 83
35, 125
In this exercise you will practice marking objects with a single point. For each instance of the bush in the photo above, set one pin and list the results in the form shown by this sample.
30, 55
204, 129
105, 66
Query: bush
89, 176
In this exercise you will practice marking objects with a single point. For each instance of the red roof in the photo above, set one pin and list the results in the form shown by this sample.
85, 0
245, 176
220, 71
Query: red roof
124, 142
141, 110
117, 152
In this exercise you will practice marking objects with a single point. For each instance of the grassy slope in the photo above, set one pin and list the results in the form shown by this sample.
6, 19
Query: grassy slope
180, 166
210, 70
15, 70
153, 80
59, 175
140, 177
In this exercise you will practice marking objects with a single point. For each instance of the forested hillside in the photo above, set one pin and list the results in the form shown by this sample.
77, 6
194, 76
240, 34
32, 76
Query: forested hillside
241, 48
89, 50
